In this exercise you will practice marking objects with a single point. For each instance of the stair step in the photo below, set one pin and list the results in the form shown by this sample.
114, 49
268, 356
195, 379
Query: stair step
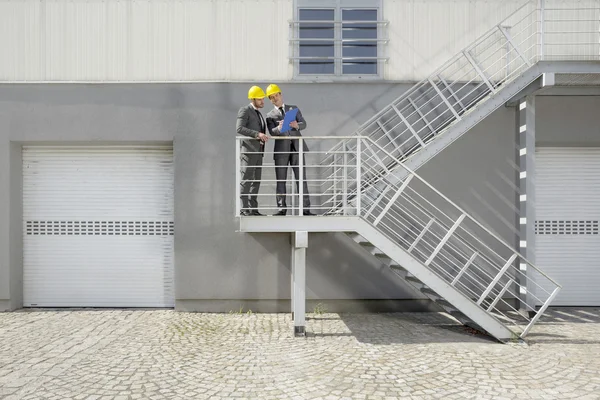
412, 278
400, 271
385, 259
371, 249
398, 268
357, 237
445, 304
428, 291
459, 316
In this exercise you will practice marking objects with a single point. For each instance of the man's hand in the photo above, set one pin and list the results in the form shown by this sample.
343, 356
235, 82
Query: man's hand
294, 124
262, 137
280, 124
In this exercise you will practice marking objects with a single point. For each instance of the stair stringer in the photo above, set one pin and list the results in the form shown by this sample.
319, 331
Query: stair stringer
413, 281
462, 303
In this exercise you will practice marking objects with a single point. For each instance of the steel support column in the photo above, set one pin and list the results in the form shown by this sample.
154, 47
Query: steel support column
526, 157
299, 245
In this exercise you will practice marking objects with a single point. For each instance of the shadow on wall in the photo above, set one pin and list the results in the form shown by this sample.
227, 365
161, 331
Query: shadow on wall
227, 97
335, 260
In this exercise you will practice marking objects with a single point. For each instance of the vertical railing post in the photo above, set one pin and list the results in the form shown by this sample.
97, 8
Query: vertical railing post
345, 178
291, 43
301, 177
238, 175
335, 179
290, 178
542, 27
507, 48
358, 173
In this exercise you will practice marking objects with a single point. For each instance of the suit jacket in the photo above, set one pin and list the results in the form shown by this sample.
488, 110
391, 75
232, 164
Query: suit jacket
273, 118
249, 124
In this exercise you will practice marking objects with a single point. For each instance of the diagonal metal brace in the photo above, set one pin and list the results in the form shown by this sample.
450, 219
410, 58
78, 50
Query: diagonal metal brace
418, 110
509, 40
409, 126
444, 99
479, 71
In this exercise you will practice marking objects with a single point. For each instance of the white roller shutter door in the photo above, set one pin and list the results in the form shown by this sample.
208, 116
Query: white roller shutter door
98, 226
567, 217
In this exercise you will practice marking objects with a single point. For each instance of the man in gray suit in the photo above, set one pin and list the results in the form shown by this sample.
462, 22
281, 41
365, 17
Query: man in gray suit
251, 123
286, 151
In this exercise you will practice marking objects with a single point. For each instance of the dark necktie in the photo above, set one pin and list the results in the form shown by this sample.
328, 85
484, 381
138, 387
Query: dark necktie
282, 112
262, 124
262, 128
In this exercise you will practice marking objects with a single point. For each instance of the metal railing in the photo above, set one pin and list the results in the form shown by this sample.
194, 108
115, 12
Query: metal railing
328, 185
556, 31
423, 222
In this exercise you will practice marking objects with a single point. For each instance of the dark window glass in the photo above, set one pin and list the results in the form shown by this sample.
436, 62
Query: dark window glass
358, 48
353, 48
316, 48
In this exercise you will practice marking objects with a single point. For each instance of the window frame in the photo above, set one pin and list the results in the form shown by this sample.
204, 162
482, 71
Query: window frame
337, 6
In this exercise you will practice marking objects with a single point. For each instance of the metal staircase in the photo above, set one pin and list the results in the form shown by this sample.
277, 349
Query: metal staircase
481, 78
446, 254
426, 239
369, 189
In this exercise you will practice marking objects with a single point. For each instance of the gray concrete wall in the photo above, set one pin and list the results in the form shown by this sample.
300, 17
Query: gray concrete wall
4, 227
70, 114
16, 226
213, 262
218, 269
567, 121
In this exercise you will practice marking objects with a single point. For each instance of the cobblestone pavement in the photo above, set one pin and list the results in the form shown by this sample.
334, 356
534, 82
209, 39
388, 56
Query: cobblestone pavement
129, 354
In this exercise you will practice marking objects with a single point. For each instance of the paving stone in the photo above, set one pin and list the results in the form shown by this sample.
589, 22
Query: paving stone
163, 354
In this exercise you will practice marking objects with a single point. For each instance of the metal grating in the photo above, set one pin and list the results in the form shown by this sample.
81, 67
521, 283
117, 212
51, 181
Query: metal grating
107, 228
566, 227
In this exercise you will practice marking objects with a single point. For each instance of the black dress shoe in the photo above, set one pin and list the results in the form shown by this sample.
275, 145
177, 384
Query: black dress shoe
245, 213
280, 213
256, 213
308, 213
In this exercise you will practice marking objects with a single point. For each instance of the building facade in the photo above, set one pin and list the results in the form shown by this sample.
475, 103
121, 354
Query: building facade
117, 139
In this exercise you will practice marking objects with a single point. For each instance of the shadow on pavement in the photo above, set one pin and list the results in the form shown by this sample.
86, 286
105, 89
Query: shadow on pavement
394, 328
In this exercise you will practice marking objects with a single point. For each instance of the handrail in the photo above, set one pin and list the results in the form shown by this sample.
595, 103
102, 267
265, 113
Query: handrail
464, 212
523, 54
435, 72
415, 175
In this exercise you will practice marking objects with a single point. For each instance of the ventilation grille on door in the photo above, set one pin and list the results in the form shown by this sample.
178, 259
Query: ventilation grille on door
108, 228
566, 227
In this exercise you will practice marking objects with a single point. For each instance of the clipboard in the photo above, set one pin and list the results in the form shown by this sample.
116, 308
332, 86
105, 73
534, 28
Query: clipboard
289, 117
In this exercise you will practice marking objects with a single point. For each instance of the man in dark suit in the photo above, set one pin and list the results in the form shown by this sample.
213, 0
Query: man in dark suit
286, 151
251, 123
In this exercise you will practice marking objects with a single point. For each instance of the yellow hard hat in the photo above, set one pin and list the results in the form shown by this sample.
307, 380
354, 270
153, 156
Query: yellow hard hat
256, 92
272, 89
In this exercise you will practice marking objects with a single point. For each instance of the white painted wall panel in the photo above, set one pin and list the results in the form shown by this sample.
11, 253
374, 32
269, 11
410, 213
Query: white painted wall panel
425, 34
231, 40
21, 50
144, 40
577, 39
